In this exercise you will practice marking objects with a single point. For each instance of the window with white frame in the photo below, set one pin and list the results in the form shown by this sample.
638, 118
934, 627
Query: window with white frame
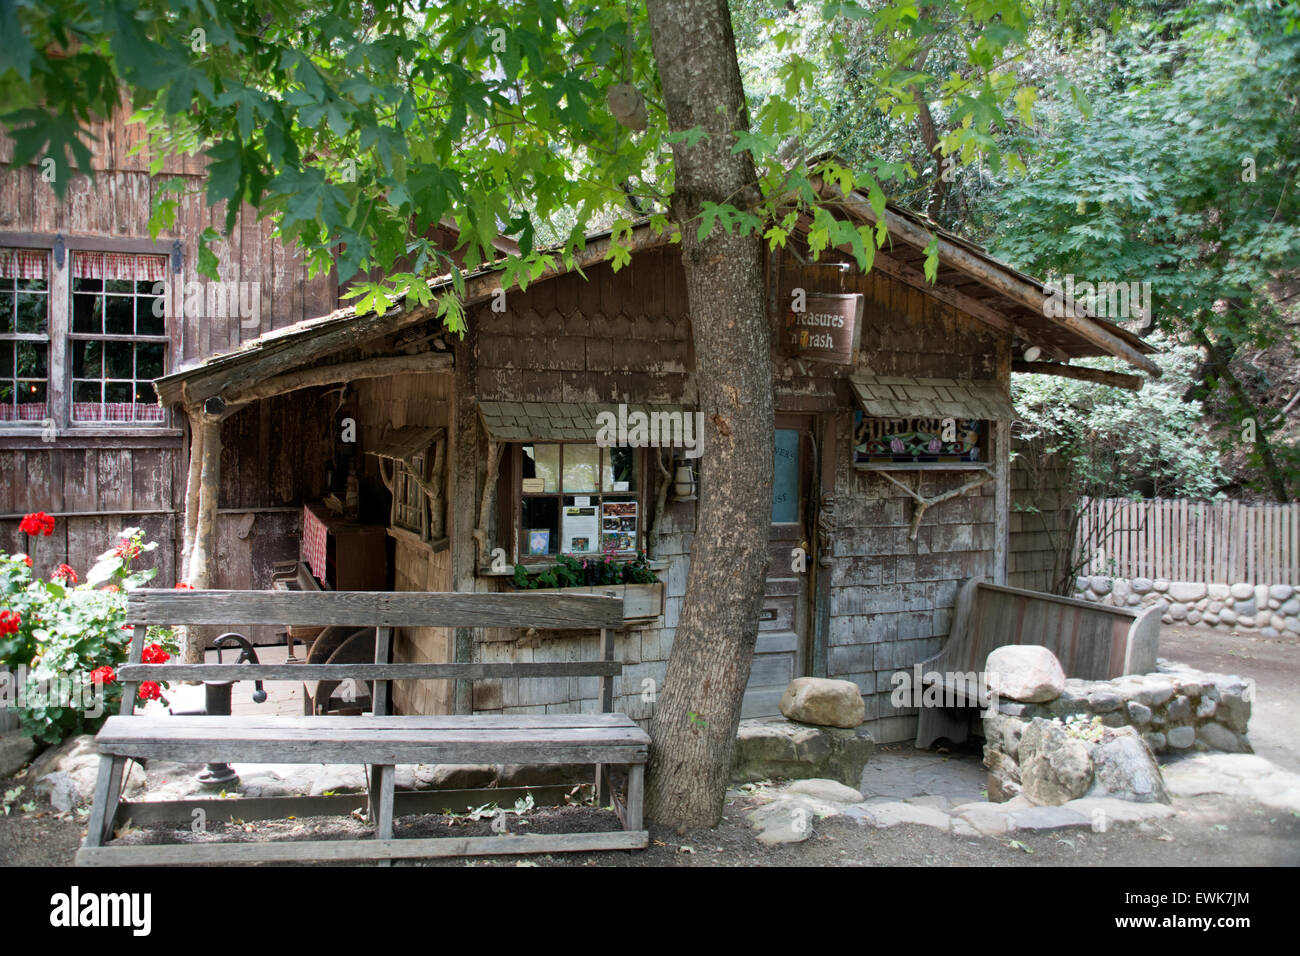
117, 337
24, 334
82, 346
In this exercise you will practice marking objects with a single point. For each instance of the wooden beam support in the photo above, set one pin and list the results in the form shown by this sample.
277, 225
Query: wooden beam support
379, 367
194, 476
1100, 376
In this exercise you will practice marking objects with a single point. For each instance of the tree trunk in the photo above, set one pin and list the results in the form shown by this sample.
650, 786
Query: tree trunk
1220, 361
698, 707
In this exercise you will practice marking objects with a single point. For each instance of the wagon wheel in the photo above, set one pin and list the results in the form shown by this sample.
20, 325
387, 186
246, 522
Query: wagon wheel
358, 648
326, 645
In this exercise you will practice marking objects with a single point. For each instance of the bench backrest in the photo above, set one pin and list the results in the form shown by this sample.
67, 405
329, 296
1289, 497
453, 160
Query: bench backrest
374, 609
1092, 641
383, 610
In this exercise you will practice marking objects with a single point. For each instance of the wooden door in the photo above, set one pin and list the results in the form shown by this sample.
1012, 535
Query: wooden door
781, 652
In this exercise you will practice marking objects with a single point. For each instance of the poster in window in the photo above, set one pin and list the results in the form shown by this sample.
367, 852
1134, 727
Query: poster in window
581, 529
539, 541
916, 440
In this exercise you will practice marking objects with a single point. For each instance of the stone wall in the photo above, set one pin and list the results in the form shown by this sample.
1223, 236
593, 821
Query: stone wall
1269, 610
1176, 709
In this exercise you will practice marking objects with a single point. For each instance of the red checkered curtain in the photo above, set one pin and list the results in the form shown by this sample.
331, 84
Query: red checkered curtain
119, 265
314, 540
24, 264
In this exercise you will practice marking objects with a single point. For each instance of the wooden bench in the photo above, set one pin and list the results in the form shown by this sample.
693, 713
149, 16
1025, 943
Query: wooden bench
380, 741
1092, 642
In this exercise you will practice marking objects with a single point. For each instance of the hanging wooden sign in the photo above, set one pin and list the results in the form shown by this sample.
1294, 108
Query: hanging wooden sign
823, 327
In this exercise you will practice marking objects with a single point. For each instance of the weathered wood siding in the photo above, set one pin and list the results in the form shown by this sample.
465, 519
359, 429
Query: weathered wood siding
106, 479
891, 598
625, 337
394, 402
1040, 522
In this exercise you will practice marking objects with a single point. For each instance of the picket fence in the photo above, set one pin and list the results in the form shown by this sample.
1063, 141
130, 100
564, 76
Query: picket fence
1181, 540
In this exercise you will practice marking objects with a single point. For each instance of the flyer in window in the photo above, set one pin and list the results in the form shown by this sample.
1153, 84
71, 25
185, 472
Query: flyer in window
581, 529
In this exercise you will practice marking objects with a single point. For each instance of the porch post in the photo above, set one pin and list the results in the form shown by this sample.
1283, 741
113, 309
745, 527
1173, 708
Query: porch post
199, 570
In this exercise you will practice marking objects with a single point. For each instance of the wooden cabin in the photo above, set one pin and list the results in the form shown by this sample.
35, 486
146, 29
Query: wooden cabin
454, 459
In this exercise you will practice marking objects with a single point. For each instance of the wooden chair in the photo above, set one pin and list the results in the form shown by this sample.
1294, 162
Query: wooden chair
1092, 642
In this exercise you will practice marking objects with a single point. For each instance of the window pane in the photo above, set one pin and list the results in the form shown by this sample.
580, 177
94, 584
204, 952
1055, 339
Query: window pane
6, 311
33, 311
118, 393
620, 469
119, 315
118, 360
785, 482
119, 285
87, 314
31, 360
31, 393
87, 360
145, 287
543, 461
6, 359
540, 526
86, 391
146, 321
580, 468
32, 285
87, 285
149, 361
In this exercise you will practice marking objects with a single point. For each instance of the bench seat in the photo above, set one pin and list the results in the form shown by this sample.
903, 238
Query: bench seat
490, 739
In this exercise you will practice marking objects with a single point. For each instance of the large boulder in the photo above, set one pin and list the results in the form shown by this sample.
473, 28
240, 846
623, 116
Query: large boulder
1123, 767
1024, 672
773, 747
826, 703
74, 768
1054, 767
15, 750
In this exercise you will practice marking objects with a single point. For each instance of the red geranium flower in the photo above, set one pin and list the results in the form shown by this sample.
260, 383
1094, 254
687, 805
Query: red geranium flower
182, 586
149, 690
125, 549
154, 654
63, 571
26, 559
103, 675
10, 621
37, 524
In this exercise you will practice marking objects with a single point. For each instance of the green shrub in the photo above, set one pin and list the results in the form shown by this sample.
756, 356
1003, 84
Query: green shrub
61, 642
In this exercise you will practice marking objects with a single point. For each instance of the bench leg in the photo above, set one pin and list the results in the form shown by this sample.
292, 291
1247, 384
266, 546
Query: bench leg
108, 794
635, 796
383, 783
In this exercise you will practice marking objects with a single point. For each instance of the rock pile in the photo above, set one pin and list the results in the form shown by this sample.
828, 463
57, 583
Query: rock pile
1097, 738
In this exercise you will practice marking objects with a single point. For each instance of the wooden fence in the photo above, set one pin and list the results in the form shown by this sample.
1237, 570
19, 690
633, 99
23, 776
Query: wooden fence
1180, 540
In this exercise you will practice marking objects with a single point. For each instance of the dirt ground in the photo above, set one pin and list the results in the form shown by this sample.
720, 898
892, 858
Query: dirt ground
1214, 831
